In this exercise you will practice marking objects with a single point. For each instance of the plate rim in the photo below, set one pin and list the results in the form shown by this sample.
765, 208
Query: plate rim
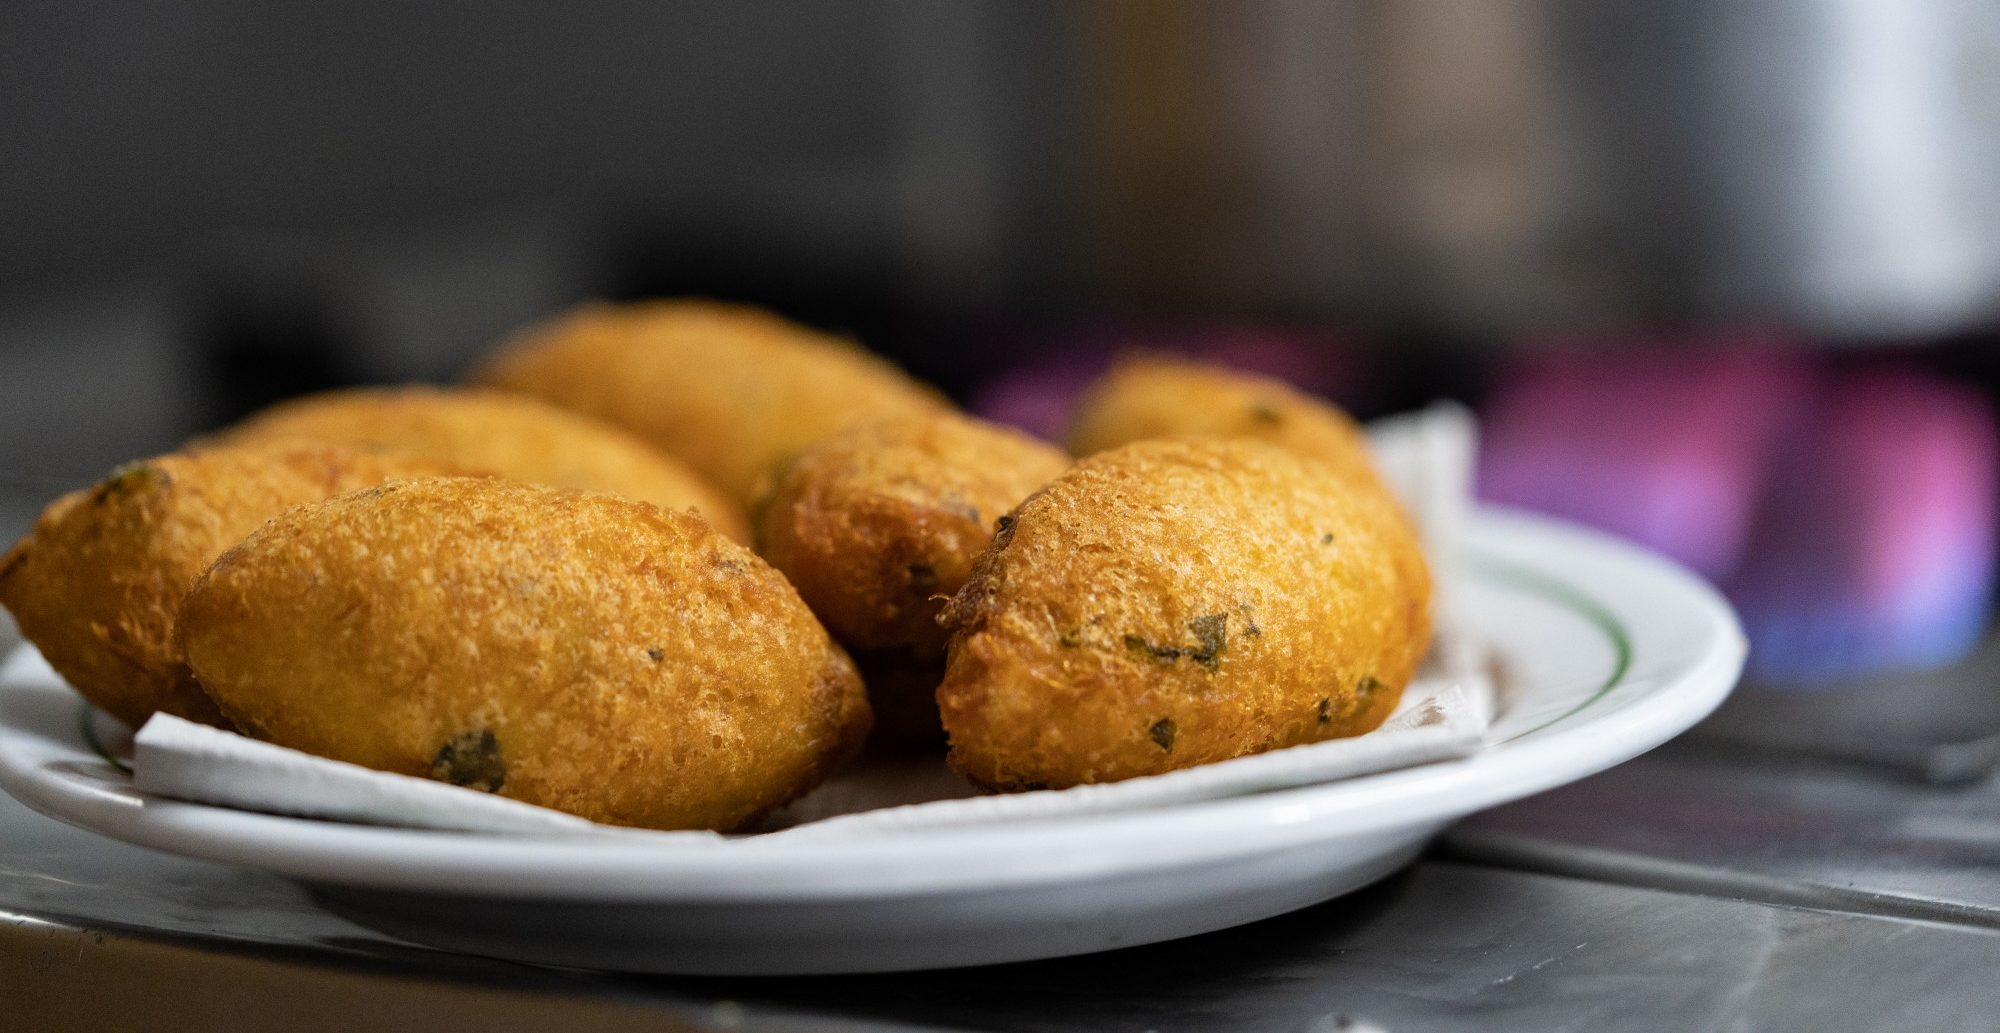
960, 859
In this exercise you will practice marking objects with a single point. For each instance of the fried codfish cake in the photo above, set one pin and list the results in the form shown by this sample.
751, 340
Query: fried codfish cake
876, 523
98, 581
1172, 603
731, 390
1155, 396
879, 524
517, 437
572, 649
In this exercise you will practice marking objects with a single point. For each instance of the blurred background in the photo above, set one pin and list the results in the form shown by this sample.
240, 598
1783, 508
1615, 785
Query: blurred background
1722, 277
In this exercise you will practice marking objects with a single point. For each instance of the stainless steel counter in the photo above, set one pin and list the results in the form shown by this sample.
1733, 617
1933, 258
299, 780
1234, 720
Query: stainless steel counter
1450, 944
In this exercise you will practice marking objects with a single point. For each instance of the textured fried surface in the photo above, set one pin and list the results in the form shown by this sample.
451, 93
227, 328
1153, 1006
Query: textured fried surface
733, 391
517, 437
1161, 397
879, 524
876, 523
572, 649
98, 581
1172, 603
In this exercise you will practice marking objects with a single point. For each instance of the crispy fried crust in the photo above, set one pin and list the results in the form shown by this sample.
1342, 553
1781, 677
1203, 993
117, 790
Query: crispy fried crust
97, 582
571, 649
879, 524
517, 437
1155, 396
1172, 603
731, 390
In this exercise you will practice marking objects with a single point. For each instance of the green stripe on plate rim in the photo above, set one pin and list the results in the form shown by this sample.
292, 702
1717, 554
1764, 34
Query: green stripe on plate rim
86, 725
1576, 601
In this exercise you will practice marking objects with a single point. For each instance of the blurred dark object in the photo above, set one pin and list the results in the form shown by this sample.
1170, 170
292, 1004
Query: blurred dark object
1477, 166
264, 346
1056, 365
91, 377
1545, 163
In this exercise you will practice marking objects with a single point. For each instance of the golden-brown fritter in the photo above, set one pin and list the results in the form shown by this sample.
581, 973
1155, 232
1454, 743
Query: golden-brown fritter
98, 581
576, 650
517, 437
877, 524
731, 390
1157, 396
1173, 603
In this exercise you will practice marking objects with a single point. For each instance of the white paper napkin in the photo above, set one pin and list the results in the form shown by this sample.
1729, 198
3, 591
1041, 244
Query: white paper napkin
1426, 456
1446, 722
183, 760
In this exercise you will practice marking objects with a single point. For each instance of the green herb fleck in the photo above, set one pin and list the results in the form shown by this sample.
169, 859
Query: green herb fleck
1250, 628
472, 760
86, 724
1163, 733
655, 654
1325, 710
1326, 539
1263, 412
1004, 524
923, 576
1071, 639
1365, 691
131, 477
1212, 631
1164, 654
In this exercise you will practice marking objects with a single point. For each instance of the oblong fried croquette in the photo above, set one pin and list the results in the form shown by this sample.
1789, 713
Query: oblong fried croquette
876, 524
1157, 396
97, 583
512, 435
731, 390
1171, 603
571, 649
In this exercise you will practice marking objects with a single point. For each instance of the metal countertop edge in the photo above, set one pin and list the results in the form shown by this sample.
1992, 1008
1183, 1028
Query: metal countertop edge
463, 971
1624, 868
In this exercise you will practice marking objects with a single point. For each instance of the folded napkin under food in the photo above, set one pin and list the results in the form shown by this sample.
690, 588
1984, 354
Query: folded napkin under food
183, 760
1426, 456
1444, 716
1439, 726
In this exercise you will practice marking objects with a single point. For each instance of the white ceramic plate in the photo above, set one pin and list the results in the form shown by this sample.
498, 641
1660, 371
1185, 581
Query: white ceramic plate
1608, 652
